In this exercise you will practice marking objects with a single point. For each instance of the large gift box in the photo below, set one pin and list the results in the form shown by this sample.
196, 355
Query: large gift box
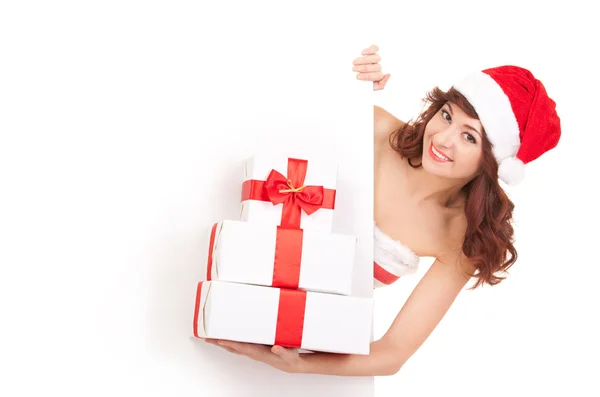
270, 316
265, 254
289, 192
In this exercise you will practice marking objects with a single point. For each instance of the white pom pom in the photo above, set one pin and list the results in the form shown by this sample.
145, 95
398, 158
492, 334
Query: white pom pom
511, 170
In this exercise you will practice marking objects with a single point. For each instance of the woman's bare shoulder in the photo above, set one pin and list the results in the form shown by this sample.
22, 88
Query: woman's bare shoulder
384, 124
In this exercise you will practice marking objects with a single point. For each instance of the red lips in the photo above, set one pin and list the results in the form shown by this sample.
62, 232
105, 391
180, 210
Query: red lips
435, 157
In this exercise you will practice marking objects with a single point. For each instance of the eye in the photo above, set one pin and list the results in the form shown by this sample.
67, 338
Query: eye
470, 137
446, 115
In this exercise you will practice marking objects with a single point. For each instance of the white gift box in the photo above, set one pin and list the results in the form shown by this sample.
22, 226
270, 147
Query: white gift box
310, 321
312, 173
265, 254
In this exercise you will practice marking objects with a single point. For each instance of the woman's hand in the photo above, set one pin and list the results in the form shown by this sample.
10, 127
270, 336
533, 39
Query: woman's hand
284, 359
382, 359
369, 69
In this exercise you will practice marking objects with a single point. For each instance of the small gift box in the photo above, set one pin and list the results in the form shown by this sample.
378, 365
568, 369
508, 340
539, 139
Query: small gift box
289, 192
269, 255
310, 321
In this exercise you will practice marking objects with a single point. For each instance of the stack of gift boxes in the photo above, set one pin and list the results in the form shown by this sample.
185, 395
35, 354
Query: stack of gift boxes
278, 275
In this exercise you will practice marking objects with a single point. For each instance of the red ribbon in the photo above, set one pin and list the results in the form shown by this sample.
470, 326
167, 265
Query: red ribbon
211, 244
286, 261
197, 309
290, 318
288, 255
291, 192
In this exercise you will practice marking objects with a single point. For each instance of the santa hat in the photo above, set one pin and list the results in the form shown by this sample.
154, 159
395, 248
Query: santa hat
519, 118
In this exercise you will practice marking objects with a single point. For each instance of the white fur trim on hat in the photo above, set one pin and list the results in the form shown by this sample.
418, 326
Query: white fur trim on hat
511, 170
495, 113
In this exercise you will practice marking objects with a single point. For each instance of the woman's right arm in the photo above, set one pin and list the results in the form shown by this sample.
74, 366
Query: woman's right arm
420, 315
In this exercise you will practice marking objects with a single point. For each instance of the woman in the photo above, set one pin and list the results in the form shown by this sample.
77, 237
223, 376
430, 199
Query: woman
437, 194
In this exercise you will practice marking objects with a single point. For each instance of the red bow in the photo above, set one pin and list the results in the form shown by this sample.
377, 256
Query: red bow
293, 194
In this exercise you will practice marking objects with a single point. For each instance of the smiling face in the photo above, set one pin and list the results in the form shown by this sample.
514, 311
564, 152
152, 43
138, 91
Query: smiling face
452, 144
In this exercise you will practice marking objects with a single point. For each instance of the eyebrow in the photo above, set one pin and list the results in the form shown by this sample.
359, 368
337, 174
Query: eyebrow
464, 125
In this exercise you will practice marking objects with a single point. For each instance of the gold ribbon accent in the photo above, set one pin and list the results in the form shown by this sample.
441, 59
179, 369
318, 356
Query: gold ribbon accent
292, 189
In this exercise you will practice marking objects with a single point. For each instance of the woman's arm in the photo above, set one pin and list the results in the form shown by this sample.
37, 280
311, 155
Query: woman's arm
422, 312
379, 362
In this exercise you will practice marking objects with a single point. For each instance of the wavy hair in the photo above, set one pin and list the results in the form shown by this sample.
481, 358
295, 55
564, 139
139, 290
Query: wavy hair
488, 240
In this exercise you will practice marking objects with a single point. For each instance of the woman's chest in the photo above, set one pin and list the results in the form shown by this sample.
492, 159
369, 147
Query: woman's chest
419, 226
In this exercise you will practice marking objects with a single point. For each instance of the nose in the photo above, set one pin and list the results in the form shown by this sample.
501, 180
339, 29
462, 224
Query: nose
445, 137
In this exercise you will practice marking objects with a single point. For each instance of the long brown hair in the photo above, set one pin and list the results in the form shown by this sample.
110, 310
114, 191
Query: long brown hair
488, 239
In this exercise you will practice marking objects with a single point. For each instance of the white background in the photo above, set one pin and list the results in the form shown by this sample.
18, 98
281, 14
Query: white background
106, 196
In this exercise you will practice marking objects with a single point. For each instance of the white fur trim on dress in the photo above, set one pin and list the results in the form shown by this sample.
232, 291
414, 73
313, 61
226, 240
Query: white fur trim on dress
495, 112
392, 255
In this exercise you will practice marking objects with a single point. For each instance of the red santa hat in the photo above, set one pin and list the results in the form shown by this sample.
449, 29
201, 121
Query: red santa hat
519, 118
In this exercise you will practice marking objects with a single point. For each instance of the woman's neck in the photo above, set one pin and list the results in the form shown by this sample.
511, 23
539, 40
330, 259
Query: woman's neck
425, 187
